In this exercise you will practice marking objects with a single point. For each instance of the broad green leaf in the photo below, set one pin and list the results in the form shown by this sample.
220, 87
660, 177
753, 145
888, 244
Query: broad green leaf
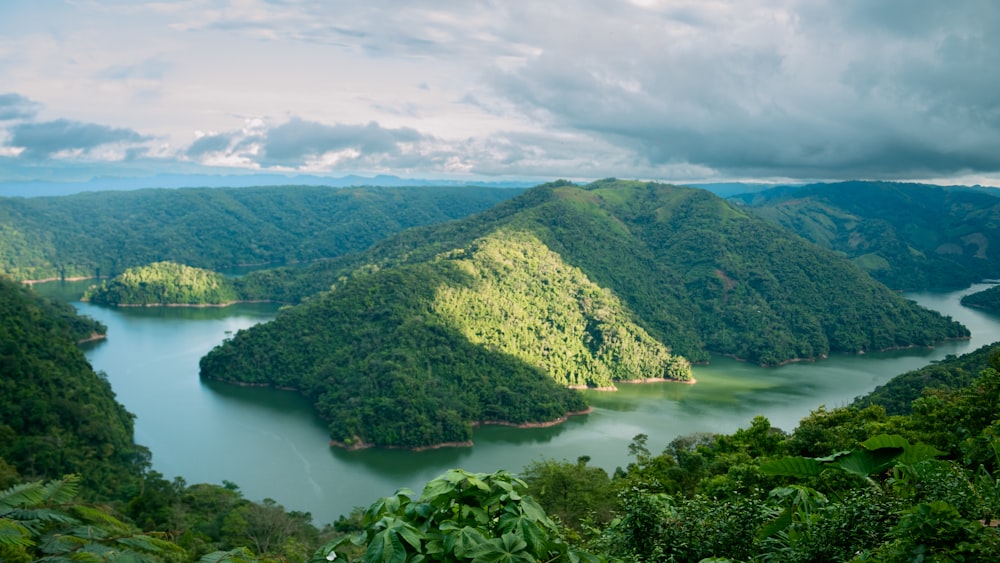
475, 514
868, 462
528, 530
885, 441
506, 549
385, 547
462, 541
793, 466
919, 452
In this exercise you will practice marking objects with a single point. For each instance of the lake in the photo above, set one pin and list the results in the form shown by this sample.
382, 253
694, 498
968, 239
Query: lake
271, 445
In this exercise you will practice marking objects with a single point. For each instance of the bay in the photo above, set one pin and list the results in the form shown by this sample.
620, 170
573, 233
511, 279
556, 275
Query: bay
270, 444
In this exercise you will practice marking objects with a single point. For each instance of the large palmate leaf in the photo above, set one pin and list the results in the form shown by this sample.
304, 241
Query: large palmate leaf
793, 466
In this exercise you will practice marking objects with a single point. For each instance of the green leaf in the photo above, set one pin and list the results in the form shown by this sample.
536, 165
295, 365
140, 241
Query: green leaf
528, 530
885, 441
793, 466
12, 533
385, 547
506, 549
919, 452
868, 462
461, 542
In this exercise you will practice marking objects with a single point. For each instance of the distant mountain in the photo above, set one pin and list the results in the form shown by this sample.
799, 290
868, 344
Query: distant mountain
908, 236
730, 189
90, 234
173, 181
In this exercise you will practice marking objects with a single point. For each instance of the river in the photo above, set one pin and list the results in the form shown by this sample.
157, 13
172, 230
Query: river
270, 444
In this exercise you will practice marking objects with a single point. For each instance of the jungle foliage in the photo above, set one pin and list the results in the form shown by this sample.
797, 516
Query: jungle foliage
100, 234
907, 236
953, 372
698, 273
163, 283
414, 355
75, 486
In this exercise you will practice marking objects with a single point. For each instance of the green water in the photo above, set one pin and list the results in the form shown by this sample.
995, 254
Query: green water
270, 444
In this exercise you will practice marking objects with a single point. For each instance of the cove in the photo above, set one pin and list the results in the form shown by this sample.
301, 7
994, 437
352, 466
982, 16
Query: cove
270, 444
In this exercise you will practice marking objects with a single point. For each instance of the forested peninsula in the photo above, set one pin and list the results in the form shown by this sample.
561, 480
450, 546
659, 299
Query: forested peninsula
417, 355
987, 299
164, 284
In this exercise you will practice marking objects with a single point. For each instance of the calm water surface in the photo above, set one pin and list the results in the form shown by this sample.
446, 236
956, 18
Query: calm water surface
270, 444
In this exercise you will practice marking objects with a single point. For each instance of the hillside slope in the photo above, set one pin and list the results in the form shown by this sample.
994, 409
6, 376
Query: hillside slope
103, 233
56, 415
907, 236
415, 355
698, 273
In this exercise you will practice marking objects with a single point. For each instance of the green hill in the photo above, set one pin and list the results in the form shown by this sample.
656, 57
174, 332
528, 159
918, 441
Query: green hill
415, 355
907, 236
103, 233
443, 326
56, 415
698, 273
952, 373
163, 283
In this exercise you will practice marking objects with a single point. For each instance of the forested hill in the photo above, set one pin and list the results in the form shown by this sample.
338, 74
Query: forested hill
415, 355
907, 236
698, 273
103, 233
163, 283
56, 415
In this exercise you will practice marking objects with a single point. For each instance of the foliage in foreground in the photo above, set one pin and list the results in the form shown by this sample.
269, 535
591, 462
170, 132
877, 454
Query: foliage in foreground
460, 516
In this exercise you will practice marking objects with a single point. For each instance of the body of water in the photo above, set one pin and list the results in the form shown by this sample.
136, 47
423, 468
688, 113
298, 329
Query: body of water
271, 445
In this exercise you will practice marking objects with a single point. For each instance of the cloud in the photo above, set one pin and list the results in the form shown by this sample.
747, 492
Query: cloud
49, 138
776, 88
297, 140
15, 106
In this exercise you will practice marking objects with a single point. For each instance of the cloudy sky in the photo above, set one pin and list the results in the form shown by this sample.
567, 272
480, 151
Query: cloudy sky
674, 90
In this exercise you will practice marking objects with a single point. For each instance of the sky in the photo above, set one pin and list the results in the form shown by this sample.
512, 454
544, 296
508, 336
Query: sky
670, 90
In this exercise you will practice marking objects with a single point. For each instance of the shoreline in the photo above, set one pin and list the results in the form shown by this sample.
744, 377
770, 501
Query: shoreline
642, 380
194, 305
359, 444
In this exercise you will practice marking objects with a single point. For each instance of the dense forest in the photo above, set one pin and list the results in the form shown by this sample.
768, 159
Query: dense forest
907, 236
163, 283
413, 356
699, 274
98, 234
988, 299
850, 483
75, 486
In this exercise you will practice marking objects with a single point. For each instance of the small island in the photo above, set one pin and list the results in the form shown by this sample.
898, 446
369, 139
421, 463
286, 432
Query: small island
164, 284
